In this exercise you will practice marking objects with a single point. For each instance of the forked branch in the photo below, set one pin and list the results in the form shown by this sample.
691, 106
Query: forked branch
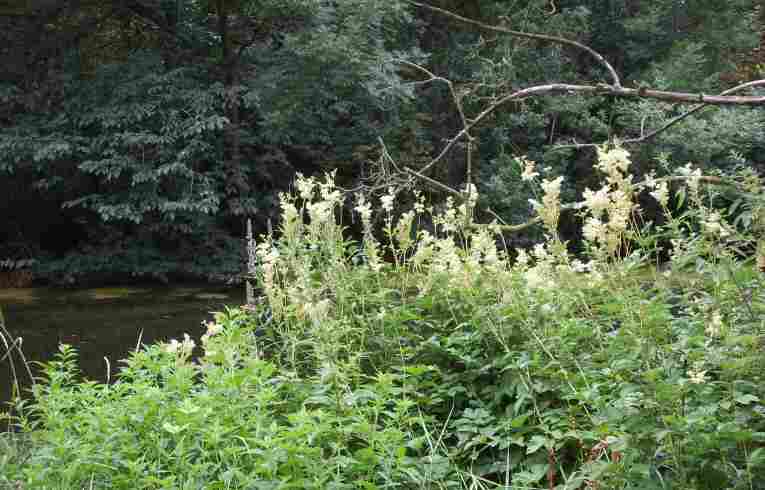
614, 89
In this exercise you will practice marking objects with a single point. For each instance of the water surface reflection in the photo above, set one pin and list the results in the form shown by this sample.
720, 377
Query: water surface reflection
104, 322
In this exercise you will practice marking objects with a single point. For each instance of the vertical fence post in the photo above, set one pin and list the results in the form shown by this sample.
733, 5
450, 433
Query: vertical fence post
249, 290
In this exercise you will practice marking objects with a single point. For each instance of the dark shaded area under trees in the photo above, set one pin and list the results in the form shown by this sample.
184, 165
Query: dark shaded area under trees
137, 136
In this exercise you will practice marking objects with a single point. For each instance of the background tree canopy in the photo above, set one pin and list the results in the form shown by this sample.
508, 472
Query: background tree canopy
137, 135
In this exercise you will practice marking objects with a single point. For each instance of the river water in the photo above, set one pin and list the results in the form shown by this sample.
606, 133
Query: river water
103, 322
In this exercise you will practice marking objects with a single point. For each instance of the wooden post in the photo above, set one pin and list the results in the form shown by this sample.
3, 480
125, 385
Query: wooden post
249, 290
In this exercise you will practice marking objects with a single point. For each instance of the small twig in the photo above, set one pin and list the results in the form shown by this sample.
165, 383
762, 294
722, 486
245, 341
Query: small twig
434, 183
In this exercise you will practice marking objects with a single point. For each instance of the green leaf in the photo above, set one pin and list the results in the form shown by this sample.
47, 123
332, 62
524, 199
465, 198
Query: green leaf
535, 443
745, 398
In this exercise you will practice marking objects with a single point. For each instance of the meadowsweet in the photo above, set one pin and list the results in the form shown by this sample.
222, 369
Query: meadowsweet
529, 172
290, 217
614, 163
579, 266
305, 186
446, 257
364, 209
212, 329
269, 257
172, 346
610, 208
327, 189
448, 219
317, 312
321, 212
537, 278
425, 249
386, 201
693, 179
549, 209
419, 203
183, 348
522, 259
697, 377
598, 202
661, 193
403, 230
594, 229
620, 211
483, 249
714, 327
540, 251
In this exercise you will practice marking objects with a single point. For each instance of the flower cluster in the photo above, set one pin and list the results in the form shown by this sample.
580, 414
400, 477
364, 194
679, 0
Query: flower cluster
211, 330
693, 177
608, 211
183, 349
528, 172
549, 209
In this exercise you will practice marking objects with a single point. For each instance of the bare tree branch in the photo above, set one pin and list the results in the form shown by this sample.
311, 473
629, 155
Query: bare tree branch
648, 136
527, 35
614, 89
600, 89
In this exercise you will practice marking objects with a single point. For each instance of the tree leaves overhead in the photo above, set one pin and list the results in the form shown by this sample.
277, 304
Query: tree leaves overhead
151, 125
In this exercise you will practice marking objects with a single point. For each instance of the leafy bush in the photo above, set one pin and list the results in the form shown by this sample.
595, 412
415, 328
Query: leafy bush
436, 361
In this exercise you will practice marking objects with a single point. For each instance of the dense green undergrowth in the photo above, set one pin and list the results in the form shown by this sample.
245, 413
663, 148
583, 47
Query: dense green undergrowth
450, 365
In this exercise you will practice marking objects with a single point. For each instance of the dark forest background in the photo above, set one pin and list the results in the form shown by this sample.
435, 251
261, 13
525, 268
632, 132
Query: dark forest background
138, 136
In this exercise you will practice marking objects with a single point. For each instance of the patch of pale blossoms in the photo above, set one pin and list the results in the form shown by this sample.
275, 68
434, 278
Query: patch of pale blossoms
364, 209
693, 178
661, 193
183, 348
614, 163
290, 217
610, 208
714, 326
403, 230
212, 329
317, 312
528, 167
620, 211
446, 256
448, 220
598, 202
371, 246
697, 377
594, 229
522, 259
538, 277
305, 186
483, 249
388, 199
549, 209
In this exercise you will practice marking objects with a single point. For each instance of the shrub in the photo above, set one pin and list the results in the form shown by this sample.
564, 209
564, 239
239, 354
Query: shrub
433, 360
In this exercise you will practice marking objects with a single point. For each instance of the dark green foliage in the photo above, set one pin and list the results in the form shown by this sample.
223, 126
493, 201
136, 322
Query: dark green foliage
166, 134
